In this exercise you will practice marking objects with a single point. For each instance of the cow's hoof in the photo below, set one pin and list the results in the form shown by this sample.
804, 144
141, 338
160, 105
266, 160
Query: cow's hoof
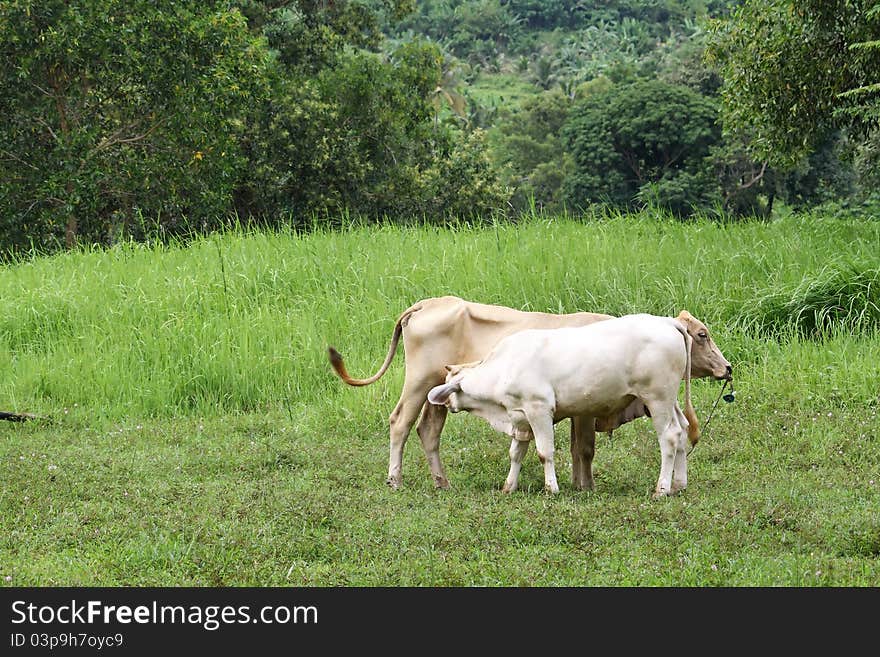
507, 488
660, 494
441, 482
553, 490
677, 487
393, 482
585, 486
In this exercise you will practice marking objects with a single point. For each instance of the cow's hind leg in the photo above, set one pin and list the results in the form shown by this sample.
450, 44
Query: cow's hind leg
401, 421
430, 426
541, 422
583, 446
669, 434
518, 449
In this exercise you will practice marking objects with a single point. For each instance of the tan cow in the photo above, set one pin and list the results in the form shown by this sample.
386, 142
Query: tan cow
445, 330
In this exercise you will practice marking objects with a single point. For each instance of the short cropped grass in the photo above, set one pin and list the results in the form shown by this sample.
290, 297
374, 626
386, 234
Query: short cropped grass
199, 437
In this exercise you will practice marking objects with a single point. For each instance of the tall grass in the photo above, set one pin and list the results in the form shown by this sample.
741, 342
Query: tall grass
840, 295
241, 320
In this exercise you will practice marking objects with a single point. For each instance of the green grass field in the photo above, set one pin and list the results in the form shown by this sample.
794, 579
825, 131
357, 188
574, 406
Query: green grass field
199, 437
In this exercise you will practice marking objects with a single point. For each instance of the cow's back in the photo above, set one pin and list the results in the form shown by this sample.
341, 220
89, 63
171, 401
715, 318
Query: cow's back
449, 330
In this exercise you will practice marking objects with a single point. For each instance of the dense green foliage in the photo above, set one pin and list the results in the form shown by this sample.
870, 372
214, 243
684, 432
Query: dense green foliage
142, 118
362, 137
643, 141
481, 30
116, 112
199, 436
150, 120
796, 72
528, 145
621, 59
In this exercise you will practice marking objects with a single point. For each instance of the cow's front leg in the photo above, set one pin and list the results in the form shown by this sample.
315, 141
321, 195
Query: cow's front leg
669, 435
679, 471
583, 446
518, 449
679, 468
541, 422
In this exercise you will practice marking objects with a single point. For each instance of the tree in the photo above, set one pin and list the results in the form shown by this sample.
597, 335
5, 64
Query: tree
308, 34
475, 30
528, 146
116, 110
352, 137
361, 137
465, 185
648, 141
543, 14
794, 72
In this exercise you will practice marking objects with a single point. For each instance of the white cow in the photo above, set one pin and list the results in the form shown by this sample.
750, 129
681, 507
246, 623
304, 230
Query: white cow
534, 378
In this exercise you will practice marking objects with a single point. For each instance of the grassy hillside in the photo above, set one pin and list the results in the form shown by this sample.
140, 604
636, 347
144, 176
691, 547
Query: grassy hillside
199, 437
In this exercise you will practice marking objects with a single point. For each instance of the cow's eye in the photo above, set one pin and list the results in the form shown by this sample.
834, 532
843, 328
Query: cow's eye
703, 335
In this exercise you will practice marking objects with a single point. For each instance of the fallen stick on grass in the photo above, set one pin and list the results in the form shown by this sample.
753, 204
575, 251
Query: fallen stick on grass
19, 417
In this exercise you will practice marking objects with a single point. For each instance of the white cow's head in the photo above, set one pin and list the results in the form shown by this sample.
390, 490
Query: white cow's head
452, 395
706, 357
447, 394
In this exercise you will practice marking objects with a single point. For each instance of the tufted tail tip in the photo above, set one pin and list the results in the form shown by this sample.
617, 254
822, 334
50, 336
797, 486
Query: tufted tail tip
693, 433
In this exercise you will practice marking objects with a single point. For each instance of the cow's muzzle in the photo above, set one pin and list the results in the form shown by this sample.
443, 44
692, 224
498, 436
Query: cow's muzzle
727, 376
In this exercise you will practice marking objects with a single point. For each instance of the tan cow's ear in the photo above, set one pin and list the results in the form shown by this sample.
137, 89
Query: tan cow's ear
684, 316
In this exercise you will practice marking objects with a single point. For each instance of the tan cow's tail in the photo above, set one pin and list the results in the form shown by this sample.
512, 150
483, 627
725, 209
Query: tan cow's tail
693, 423
339, 365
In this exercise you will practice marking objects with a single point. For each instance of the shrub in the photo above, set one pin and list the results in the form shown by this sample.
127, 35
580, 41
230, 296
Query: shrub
844, 296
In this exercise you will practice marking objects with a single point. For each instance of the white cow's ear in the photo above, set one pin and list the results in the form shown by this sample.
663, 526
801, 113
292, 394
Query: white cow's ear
439, 395
455, 369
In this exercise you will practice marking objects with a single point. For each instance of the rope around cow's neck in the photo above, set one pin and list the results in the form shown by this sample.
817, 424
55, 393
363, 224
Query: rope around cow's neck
706, 423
